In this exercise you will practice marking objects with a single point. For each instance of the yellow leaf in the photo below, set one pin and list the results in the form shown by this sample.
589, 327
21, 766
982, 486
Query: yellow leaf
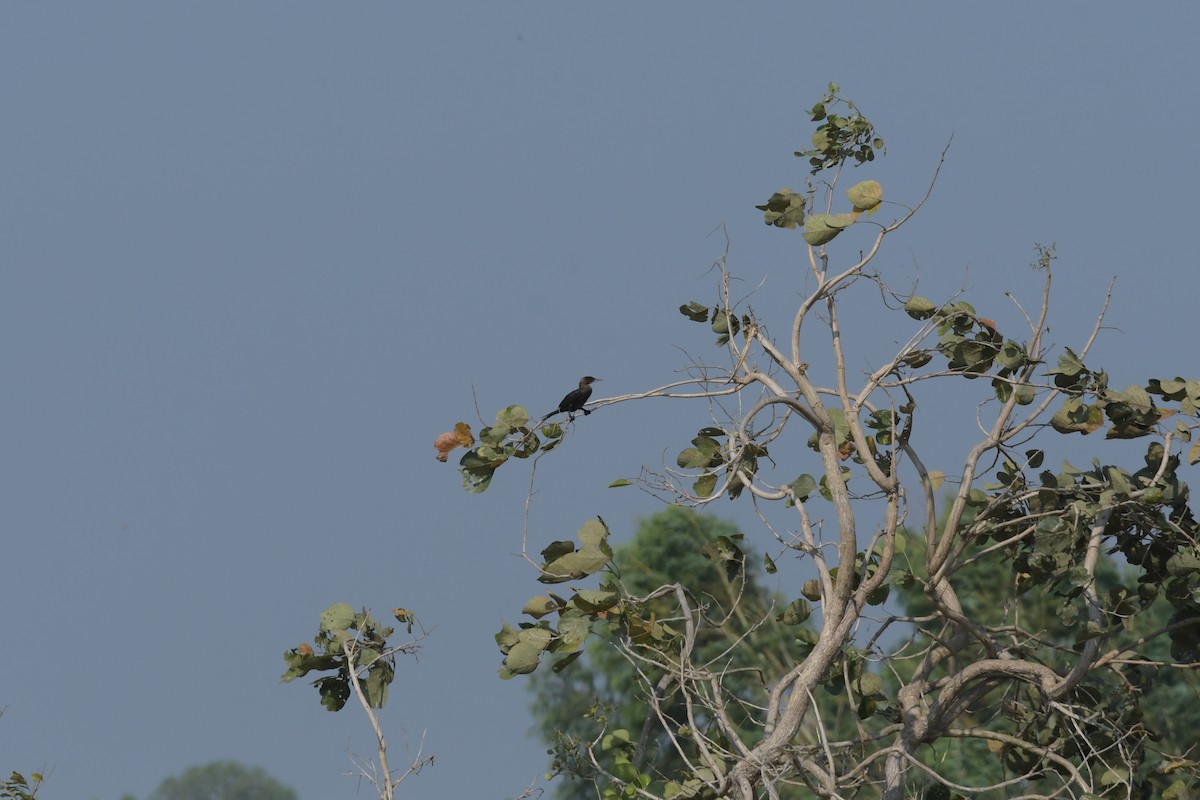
936, 479
459, 437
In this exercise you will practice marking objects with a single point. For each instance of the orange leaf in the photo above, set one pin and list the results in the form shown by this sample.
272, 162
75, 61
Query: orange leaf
459, 437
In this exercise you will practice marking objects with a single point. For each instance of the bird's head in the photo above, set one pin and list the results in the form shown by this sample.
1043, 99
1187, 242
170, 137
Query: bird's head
587, 380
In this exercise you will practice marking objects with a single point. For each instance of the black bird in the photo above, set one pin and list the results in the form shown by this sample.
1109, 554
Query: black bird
574, 400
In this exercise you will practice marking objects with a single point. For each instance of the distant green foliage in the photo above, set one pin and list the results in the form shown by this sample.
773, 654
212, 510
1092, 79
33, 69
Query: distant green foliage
603, 693
223, 780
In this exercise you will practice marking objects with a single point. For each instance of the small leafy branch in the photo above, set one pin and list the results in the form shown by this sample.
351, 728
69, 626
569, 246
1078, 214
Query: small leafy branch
354, 647
523, 647
512, 435
840, 138
18, 787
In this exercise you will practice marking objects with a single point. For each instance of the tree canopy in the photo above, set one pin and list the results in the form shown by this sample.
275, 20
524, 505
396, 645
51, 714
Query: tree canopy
222, 780
1040, 606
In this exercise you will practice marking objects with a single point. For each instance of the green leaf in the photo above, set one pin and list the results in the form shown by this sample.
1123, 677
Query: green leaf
563, 564
1077, 417
865, 196
917, 359
727, 551
593, 601
868, 684
972, 356
822, 228
1070, 372
1012, 356
919, 308
524, 656
338, 617
594, 533
334, 692
785, 209
507, 637
804, 486
823, 485
1025, 393
694, 311
1184, 563
796, 613
704, 485
557, 550
725, 324
620, 482
1113, 776
513, 417
566, 661
477, 467
617, 740
574, 627
879, 596
375, 687
538, 607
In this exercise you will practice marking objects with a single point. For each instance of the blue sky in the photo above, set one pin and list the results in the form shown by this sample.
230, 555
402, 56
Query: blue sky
257, 255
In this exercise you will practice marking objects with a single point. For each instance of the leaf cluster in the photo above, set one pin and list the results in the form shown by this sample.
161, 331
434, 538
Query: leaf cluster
348, 642
840, 136
523, 646
785, 209
725, 324
713, 458
510, 436
18, 787
604, 693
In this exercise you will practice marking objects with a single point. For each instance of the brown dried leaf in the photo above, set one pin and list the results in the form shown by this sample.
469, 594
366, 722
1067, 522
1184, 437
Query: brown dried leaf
459, 437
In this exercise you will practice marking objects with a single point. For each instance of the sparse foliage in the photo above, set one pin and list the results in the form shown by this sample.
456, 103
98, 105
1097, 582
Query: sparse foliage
354, 648
18, 787
746, 629
1060, 707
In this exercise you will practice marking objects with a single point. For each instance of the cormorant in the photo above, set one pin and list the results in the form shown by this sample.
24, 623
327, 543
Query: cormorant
574, 400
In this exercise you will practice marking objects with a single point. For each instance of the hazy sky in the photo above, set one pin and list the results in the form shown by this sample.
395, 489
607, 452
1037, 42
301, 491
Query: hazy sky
256, 256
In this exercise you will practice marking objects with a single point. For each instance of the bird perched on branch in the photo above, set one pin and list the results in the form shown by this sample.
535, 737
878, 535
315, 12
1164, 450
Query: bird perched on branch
574, 400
